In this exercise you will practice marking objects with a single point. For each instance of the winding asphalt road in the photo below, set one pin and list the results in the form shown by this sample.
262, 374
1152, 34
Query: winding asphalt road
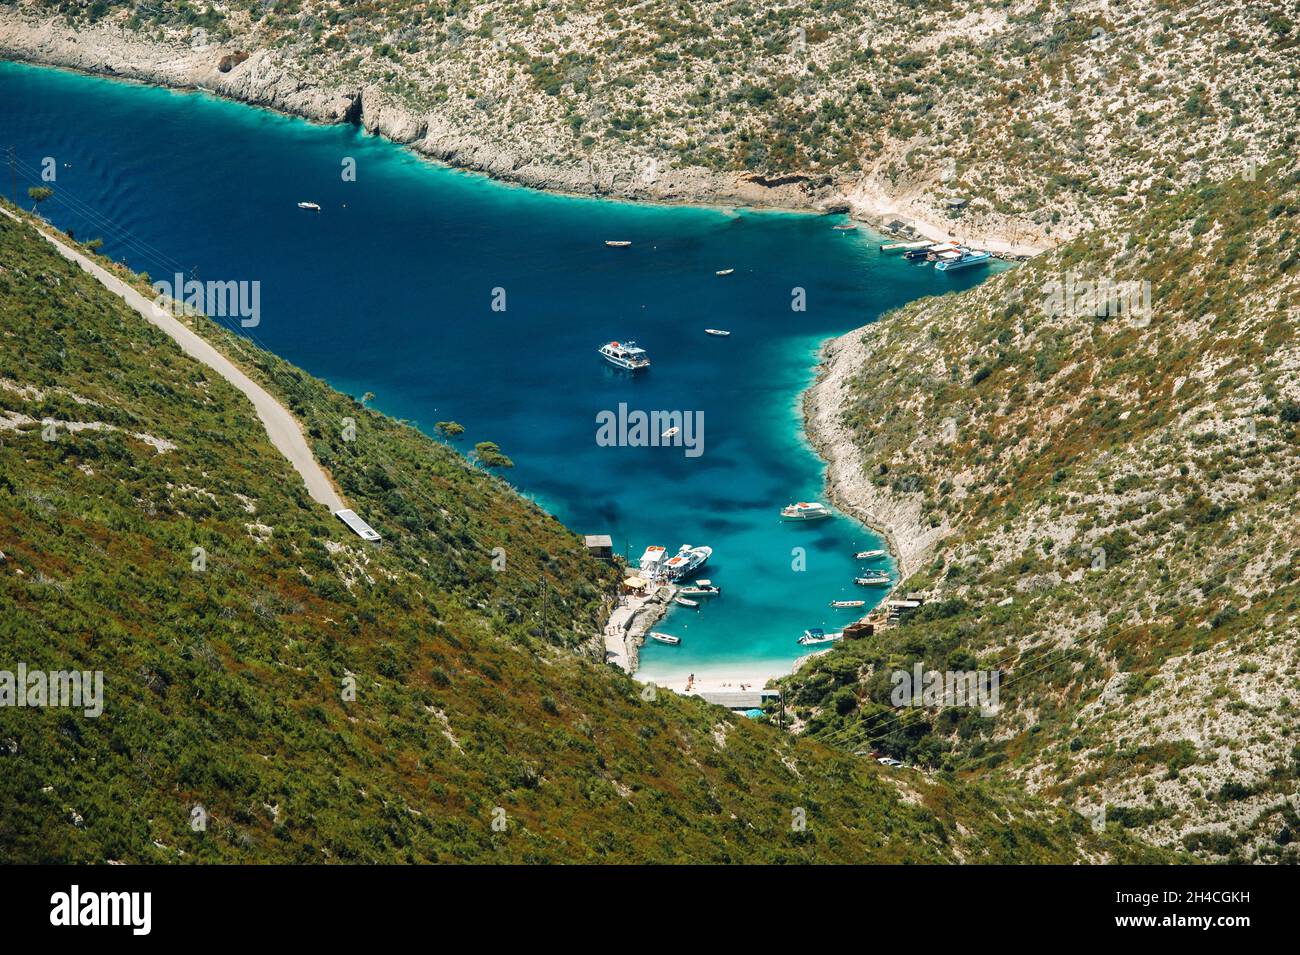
281, 426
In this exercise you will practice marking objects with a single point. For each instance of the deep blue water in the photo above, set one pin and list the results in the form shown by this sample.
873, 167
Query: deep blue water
389, 290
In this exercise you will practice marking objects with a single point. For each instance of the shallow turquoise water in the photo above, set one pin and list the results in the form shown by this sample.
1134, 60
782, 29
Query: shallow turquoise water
389, 289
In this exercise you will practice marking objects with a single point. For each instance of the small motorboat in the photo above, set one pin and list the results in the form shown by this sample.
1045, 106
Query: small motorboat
701, 588
617, 243
686, 602
805, 511
314, 207
670, 432
846, 227
817, 635
724, 271
842, 604
721, 332
667, 638
868, 554
875, 580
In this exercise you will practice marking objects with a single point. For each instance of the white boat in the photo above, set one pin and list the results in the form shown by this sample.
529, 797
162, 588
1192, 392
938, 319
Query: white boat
964, 260
805, 511
817, 635
701, 588
868, 554
873, 581
724, 271
717, 331
667, 638
846, 227
686, 561
670, 432
847, 603
686, 602
617, 243
652, 561
309, 205
625, 355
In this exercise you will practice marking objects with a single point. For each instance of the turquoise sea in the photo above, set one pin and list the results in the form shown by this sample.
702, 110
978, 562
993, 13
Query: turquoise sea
390, 288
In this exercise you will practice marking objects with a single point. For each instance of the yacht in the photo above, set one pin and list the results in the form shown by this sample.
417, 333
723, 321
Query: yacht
717, 331
686, 561
617, 243
818, 635
965, 259
872, 580
667, 638
314, 207
724, 271
804, 511
625, 355
868, 554
847, 603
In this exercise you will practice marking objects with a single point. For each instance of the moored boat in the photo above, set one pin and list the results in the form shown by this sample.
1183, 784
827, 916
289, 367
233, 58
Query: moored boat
966, 259
667, 638
686, 561
686, 602
625, 355
846, 227
868, 554
873, 580
841, 604
701, 588
805, 511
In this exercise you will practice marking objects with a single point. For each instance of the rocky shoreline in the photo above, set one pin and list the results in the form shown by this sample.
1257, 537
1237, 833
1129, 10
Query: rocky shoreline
271, 79
910, 540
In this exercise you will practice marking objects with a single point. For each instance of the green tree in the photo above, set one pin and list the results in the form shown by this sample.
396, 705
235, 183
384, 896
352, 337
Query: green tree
450, 429
490, 456
39, 194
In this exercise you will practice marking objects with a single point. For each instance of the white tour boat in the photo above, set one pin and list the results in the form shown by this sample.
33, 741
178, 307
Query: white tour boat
873, 580
805, 511
686, 561
625, 355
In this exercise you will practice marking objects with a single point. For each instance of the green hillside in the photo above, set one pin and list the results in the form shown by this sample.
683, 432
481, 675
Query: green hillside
1113, 502
474, 689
